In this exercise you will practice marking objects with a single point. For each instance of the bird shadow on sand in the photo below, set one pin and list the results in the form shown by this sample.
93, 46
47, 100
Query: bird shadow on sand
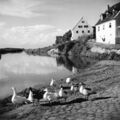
55, 103
77, 100
100, 98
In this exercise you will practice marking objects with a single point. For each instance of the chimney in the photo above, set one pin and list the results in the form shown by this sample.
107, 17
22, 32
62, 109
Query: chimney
108, 7
101, 17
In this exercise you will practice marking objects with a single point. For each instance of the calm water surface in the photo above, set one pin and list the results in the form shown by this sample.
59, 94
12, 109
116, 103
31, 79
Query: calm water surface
22, 71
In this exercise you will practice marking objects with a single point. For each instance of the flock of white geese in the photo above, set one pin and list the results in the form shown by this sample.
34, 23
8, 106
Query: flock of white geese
48, 96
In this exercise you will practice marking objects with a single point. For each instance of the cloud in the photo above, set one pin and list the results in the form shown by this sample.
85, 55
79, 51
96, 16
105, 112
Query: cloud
20, 8
2, 24
27, 65
30, 8
29, 36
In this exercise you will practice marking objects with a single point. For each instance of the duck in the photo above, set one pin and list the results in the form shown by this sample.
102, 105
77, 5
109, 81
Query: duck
68, 80
49, 95
84, 91
30, 96
60, 93
74, 88
52, 82
16, 99
37, 93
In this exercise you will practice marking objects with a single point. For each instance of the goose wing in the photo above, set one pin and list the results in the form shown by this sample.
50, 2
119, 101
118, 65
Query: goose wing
19, 99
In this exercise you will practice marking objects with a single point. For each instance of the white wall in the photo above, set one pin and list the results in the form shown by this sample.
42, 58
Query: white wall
108, 33
79, 29
76, 35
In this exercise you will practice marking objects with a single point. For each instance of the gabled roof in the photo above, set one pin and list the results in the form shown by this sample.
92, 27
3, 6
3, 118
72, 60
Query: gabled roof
109, 14
82, 19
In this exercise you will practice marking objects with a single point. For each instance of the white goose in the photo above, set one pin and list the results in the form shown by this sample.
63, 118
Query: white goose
83, 90
48, 95
72, 88
52, 82
30, 96
16, 99
68, 80
60, 93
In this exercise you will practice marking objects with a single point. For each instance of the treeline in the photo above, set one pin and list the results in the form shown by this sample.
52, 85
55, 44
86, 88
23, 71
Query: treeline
10, 50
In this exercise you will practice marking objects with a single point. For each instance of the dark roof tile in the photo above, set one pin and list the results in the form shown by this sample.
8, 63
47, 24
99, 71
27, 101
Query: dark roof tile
110, 14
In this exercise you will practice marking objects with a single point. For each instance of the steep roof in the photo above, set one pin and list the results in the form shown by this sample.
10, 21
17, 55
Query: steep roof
110, 14
79, 22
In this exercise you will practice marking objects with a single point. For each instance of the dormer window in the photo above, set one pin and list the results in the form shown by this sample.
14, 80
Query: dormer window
110, 25
107, 14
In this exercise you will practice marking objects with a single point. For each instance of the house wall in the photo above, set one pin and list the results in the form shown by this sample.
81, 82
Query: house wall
82, 28
105, 33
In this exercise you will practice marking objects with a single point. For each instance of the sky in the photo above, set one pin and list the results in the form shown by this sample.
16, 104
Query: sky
36, 23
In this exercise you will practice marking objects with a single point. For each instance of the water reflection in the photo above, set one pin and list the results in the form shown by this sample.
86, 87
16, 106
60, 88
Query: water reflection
75, 64
64, 61
22, 70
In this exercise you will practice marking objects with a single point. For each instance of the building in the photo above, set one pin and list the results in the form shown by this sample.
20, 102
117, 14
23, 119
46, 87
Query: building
108, 26
82, 28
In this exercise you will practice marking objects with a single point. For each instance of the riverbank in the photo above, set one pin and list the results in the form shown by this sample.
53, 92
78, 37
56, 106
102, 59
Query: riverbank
102, 78
10, 50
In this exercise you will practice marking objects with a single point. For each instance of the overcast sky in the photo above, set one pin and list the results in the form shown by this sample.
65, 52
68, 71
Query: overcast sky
35, 23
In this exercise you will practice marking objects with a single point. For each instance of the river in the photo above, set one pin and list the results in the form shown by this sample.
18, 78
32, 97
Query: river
22, 70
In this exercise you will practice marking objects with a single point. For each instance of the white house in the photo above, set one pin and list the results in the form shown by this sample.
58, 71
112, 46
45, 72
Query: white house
108, 26
81, 28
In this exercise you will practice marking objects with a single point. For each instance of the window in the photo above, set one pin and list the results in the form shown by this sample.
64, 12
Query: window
77, 31
82, 31
85, 26
103, 39
98, 28
110, 25
80, 26
103, 27
83, 21
88, 31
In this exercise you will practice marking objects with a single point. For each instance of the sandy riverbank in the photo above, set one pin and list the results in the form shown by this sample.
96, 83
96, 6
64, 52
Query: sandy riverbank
103, 78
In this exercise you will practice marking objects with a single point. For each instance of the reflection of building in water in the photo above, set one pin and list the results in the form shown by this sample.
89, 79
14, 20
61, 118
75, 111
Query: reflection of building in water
63, 60
74, 70
74, 64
